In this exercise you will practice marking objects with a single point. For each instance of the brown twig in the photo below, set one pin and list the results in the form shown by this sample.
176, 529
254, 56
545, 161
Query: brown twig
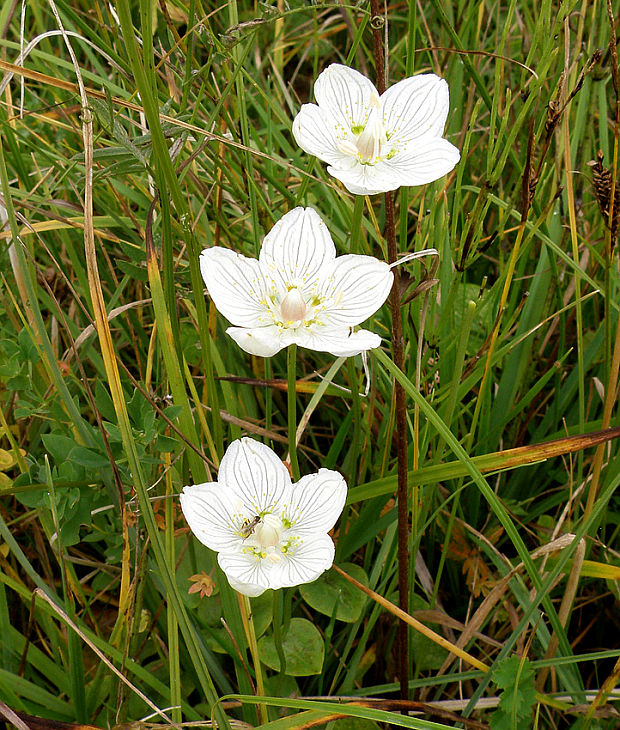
377, 22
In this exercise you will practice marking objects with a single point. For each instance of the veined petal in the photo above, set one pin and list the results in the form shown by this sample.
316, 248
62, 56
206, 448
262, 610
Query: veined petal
261, 341
423, 163
255, 476
211, 514
297, 248
245, 572
317, 502
415, 107
304, 562
247, 589
318, 133
235, 284
356, 287
345, 94
340, 341
365, 179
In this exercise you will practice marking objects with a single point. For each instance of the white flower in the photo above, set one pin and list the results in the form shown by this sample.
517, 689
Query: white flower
267, 531
377, 143
297, 291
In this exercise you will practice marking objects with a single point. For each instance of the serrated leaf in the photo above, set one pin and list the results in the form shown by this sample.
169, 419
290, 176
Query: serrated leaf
515, 676
303, 649
331, 591
511, 670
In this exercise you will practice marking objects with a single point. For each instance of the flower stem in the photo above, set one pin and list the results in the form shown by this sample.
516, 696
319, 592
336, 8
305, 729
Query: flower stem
291, 363
248, 625
277, 629
356, 224
399, 393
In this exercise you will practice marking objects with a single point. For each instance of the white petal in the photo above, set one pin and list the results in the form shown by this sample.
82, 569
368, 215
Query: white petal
211, 515
261, 341
297, 248
356, 287
340, 341
345, 94
366, 179
245, 572
433, 158
256, 476
304, 563
235, 284
248, 589
318, 133
317, 502
415, 107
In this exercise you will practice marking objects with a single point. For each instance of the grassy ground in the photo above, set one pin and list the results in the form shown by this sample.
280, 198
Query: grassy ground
118, 385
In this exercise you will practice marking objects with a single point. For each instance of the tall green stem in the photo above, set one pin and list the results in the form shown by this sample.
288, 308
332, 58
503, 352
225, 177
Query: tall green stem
250, 632
356, 224
291, 363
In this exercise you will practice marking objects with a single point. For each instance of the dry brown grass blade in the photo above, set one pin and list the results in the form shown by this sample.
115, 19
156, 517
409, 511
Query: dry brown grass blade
522, 455
476, 621
608, 685
414, 623
23, 721
565, 607
426, 708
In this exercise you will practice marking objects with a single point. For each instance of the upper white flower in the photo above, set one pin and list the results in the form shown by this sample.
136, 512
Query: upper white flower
377, 143
267, 531
297, 291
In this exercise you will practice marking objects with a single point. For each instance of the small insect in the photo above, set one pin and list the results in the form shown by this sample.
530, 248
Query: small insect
248, 526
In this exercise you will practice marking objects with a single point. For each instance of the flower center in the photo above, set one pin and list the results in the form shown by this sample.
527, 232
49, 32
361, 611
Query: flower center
268, 536
372, 141
293, 307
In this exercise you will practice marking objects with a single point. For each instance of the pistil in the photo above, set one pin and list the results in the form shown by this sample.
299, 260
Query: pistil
293, 307
372, 141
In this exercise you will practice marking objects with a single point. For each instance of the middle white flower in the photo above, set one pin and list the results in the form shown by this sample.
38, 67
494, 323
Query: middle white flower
298, 291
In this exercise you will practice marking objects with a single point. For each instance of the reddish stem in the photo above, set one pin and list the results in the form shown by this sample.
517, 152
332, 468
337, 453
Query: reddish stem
377, 22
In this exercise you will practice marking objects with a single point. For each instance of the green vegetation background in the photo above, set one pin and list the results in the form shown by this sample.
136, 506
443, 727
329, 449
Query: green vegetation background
509, 344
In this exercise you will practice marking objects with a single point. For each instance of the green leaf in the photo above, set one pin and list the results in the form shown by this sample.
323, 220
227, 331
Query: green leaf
262, 612
331, 591
303, 649
166, 444
511, 670
515, 676
426, 653
58, 447
88, 458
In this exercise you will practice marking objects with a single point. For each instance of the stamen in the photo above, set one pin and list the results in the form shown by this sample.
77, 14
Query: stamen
348, 148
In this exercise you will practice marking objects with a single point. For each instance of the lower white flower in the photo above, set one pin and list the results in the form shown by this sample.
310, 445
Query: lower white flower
267, 531
298, 291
